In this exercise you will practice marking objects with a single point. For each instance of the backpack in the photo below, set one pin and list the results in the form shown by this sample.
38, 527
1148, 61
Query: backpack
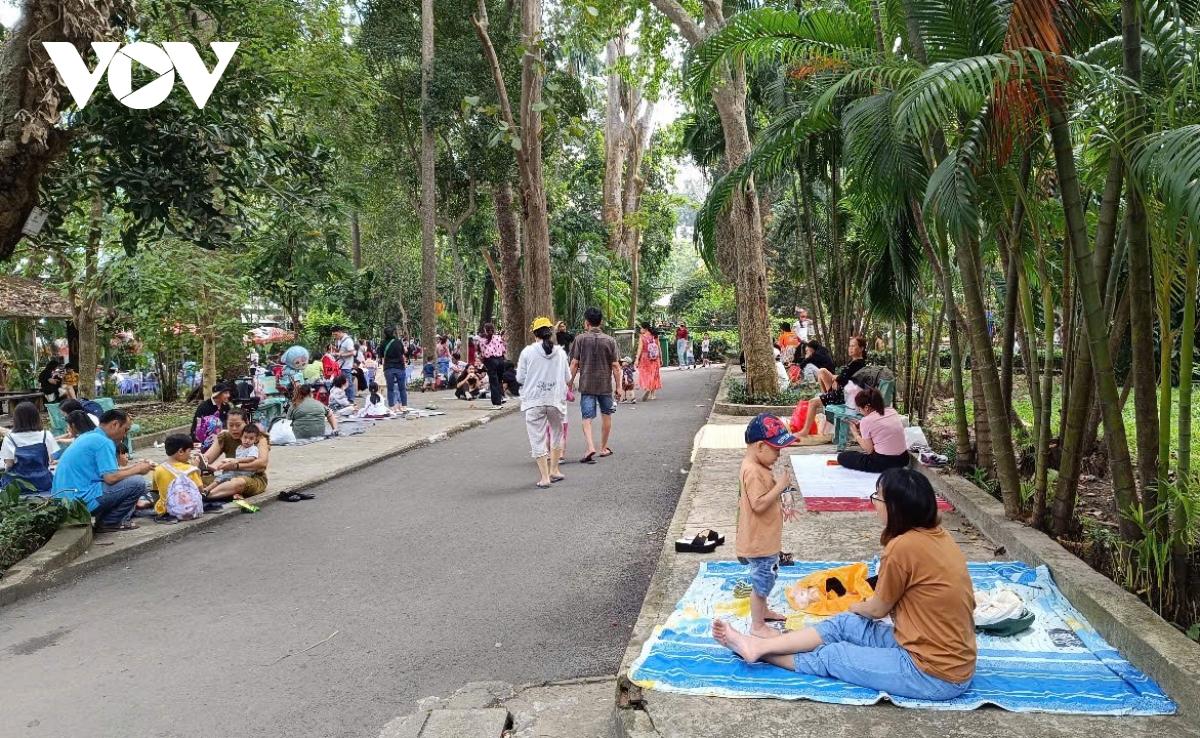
183, 496
652, 350
871, 376
207, 429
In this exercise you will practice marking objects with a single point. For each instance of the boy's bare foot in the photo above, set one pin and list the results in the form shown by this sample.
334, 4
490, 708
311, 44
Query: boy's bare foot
772, 615
730, 638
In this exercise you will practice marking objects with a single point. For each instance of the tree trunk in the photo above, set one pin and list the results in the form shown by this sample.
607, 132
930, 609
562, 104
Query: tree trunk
1046, 392
985, 457
1141, 306
511, 308
1072, 443
31, 100
1183, 469
635, 276
487, 306
615, 143
355, 242
428, 187
810, 239
983, 371
750, 280
964, 459
539, 295
464, 332
1095, 323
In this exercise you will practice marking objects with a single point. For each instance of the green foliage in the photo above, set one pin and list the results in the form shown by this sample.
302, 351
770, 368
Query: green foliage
702, 301
738, 395
318, 328
26, 523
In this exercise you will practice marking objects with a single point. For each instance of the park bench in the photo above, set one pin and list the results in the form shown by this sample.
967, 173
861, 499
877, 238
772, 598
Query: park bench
58, 421
15, 398
841, 415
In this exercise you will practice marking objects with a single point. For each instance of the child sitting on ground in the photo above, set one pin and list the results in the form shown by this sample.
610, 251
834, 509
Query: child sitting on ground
764, 503
178, 448
248, 449
430, 371
375, 407
627, 394
338, 400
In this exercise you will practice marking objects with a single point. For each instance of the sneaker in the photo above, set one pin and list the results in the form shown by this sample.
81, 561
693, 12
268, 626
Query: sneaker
929, 458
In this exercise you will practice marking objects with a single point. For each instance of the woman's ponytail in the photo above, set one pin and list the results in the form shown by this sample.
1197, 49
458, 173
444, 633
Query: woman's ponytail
547, 336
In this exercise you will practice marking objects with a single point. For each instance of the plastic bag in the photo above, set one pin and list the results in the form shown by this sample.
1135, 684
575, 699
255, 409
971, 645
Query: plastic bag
281, 432
994, 605
914, 436
799, 415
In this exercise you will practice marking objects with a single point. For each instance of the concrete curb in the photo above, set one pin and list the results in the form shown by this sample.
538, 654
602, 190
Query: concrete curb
24, 578
630, 719
1149, 642
66, 571
722, 406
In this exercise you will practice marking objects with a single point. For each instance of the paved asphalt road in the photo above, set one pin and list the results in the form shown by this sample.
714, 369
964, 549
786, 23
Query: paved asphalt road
435, 568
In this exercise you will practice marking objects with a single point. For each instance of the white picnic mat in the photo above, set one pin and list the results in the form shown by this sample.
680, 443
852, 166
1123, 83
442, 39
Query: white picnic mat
722, 436
816, 478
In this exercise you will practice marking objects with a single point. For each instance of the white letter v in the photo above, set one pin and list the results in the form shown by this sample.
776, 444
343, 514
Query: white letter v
73, 71
196, 77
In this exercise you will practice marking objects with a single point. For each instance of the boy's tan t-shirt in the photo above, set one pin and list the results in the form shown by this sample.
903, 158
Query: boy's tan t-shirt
758, 533
925, 573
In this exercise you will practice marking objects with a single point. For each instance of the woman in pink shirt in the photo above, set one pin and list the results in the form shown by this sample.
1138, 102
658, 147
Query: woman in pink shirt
879, 433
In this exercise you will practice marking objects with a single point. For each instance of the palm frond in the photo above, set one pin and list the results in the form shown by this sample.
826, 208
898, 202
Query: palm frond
890, 166
787, 37
1168, 162
957, 29
951, 197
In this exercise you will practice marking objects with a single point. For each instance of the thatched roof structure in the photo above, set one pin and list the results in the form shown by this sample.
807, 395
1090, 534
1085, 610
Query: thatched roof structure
28, 299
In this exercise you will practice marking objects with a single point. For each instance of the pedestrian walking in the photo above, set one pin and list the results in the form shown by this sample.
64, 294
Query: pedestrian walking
395, 368
544, 373
597, 364
492, 349
649, 362
681, 343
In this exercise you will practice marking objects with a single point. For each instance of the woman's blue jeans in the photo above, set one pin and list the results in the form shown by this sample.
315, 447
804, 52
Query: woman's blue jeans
396, 389
862, 651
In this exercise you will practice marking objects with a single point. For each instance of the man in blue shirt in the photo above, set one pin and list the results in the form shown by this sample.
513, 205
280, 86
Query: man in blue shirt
88, 471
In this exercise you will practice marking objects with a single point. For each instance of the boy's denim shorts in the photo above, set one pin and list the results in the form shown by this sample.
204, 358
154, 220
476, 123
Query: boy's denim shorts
763, 571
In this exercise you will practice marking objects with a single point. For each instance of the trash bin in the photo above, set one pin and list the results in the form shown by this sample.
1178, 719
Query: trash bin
664, 345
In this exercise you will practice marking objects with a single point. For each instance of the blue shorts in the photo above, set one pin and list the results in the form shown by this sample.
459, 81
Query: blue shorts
763, 571
587, 403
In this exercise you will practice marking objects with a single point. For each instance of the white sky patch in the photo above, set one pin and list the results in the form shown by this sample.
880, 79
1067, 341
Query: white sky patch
9, 13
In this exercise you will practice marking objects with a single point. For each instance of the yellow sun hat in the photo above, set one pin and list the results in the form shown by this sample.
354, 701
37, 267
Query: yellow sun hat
540, 323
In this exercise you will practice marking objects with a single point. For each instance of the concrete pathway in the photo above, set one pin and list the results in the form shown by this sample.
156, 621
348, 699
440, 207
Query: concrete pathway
407, 578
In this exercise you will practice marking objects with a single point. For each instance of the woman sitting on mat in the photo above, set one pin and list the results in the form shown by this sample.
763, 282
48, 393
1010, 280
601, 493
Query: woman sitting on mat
226, 445
834, 387
880, 434
923, 584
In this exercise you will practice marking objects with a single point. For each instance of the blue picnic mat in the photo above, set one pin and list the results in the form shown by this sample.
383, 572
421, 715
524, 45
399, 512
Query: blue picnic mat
1059, 665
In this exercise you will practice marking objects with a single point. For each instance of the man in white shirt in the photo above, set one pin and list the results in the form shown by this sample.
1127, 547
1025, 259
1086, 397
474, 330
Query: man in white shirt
803, 326
346, 354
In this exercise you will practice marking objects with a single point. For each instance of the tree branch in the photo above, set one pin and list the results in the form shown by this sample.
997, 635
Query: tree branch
682, 19
481, 29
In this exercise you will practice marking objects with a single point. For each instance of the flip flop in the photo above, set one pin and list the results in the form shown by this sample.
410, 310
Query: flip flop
117, 528
589, 459
699, 544
539, 485
774, 620
559, 478
603, 455
246, 506
296, 496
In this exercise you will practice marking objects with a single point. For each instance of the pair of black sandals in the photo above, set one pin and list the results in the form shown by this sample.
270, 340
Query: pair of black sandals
706, 541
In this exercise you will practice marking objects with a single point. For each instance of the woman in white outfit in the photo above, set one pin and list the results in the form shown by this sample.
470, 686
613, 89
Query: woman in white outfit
543, 371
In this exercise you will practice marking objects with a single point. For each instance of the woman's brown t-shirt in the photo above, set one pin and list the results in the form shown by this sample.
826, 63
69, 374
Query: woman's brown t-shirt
925, 574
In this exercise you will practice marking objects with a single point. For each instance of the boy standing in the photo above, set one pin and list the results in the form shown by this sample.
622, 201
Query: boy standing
764, 503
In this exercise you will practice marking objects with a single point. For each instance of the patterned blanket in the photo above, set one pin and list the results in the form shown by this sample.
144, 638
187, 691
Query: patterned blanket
1060, 665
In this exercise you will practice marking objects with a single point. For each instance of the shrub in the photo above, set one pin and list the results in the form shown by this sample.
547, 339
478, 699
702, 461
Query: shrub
738, 395
26, 523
